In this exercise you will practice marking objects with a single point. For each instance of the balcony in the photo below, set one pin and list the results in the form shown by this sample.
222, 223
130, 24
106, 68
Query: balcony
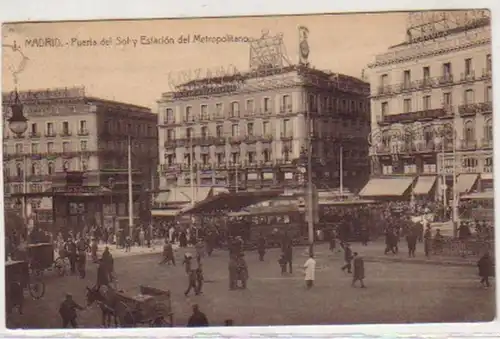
487, 143
169, 121
251, 139
188, 120
66, 134
471, 109
219, 140
468, 76
219, 116
232, 115
50, 134
486, 73
445, 80
429, 114
427, 82
468, 145
384, 90
235, 139
34, 135
286, 108
203, 141
170, 143
486, 107
286, 136
205, 117
266, 137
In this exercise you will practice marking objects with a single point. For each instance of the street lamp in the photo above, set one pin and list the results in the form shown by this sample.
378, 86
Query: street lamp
18, 123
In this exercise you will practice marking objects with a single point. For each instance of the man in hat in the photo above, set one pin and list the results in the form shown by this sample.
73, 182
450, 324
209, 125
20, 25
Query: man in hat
191, 273
347, 258
198, 318
67, 310
359, 270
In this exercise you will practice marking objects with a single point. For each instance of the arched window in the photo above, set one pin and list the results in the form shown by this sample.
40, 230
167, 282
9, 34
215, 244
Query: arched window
84, 165
488, 130
469, 132
19, 170
50, 168
66, 166
35, 168
428, 134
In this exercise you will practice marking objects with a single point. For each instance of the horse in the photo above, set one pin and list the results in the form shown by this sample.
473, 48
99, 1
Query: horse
106, 302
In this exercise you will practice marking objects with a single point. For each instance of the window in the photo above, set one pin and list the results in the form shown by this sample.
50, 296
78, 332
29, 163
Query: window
204, 159
170, 159
219, 131
170, 134
267, 155
235, 130
235, 157
469, 133
34, 149
385, 108
286, 103
84, 165
66, 166
287, 131
468, 67
250, 129
50, 147
430, 168
488, 131
469, 97
66, 147
488, 63
406, 79
312, 103
189, 133
50, 168
50, 129
267, 105
407, 105
250, 106
35, 168
65, 128
447, 70
19, 170
204, 111
170, 116
219, 158
83, 145
189, 114
427, 102
251, 157
265, 128
34, 129
426, 74
447, 99
384, 80
187, 159
218, 109
19, 148
387, 169
235, 109
488, 95
204, 131
83, 126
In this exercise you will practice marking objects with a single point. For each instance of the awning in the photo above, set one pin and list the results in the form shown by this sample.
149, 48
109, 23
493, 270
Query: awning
424, 185
164, 213
264, 211
487, 195
162, 197
486, 176
386, 187
465, 182
230, 202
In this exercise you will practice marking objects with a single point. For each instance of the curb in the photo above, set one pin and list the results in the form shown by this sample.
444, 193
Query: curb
422, 261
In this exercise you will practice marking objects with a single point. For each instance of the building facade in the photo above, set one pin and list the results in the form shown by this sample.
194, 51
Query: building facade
250, 130
431, 106
69, 131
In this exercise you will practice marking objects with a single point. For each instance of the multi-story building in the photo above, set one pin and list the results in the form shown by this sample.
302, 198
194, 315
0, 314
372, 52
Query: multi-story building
431, 106
250, 130
70, 131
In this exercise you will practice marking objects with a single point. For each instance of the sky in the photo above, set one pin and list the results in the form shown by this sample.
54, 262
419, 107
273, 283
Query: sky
139, 74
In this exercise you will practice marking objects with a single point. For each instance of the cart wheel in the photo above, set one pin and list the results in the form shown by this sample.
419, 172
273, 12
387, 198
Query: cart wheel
37, 289
60, 266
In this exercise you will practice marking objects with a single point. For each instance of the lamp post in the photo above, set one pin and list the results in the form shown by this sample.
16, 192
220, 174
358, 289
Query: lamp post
398, 138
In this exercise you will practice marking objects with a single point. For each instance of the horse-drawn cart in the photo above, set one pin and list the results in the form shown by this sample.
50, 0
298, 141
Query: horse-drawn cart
41, 258
152, 307
17, 279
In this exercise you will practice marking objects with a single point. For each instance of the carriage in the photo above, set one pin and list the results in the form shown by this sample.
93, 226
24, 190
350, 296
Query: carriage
41, 258
151, 307
17, 279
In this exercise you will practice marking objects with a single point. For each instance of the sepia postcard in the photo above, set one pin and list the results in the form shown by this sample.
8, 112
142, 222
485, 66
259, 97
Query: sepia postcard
332, 169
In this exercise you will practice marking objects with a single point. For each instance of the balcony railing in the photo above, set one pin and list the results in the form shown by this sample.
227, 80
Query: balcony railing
235, 139
286, 136
471, 109
50, 134
466, 77
266, 137
408, 86
429, 114
66, 134
169, 121
233, 114
486, 143
446, 79
468, 144
34, 135
286, 108
83, 132
486, 73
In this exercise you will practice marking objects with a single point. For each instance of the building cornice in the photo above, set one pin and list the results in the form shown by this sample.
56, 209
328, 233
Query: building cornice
427, 50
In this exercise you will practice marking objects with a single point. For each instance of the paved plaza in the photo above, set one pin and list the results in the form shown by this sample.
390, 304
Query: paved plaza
397, 292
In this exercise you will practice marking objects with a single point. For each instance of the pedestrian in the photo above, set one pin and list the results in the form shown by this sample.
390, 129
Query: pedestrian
411, 240
287, 250
103, 275
128, 243
168, 253
282, 263
309, 270
359, 270
438, 242
198, 318
332, 239
191, 273
261, 247
82, 263
142, 237
233, 268
486, 269
199, 276
93, 249
67, 310
347, 258
71, 250
427, 241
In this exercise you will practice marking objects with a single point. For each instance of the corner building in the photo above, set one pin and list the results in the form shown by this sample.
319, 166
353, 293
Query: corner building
70, 131
250, 130
422, 90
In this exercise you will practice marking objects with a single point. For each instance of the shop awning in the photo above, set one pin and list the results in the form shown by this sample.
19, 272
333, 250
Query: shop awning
486, 176
265, 211
386, 187
424, 185
487, 195
162, 197
465, 182
164, 213
230, 202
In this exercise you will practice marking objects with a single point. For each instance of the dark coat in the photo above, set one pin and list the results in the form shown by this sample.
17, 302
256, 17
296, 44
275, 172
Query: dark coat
103, 274
68, 308
486, 266
198, 319
359, 268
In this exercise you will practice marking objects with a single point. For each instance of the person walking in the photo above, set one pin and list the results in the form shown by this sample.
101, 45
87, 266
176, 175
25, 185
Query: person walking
198, 318
309, 270
411, 240
359, 270
67, 311
261, 247
191, 274
347, 258
168, 253
427, 241
486, 269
